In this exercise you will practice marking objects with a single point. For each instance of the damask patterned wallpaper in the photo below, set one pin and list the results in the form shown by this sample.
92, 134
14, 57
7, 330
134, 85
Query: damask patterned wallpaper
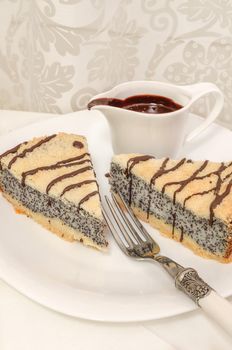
56, 54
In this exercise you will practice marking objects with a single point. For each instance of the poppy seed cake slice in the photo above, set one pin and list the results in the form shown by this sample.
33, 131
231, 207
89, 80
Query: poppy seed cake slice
189, 201
52, 180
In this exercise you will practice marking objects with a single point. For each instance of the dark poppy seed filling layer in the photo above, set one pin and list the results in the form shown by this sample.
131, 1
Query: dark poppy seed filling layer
70, 214
213, 237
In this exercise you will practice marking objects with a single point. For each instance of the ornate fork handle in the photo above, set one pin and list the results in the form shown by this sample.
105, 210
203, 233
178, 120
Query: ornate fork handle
186, 279
190, 283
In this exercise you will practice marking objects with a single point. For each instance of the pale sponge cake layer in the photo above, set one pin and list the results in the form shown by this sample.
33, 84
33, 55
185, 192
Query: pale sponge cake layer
176, 197
53, 177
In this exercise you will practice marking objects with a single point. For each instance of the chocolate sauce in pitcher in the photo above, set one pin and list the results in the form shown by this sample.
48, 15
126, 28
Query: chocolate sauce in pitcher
150, 104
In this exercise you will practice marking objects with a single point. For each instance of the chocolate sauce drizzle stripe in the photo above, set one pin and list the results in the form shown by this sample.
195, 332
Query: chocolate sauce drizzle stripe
77, 185
173, 224
51, 167
221, 168
11, 151
78, 144
175, 167
152, 182
162, 171
198, 194
218, 199
159, 172
181, 234
130, 165
184, 183
29, 150
66, 176
217, 172
69, 160
216, 192
136, 160
87, 197
227, 176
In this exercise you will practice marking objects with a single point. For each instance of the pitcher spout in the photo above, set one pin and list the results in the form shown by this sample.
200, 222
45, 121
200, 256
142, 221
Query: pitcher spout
100, 104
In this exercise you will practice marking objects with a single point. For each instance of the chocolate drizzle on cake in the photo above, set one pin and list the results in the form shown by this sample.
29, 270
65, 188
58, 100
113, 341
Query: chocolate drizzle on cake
161, 171
11, 151
217, 200
181, 234
64, 163
29, 150
197, 194
173, 224
218, 197
175, 167
87, 197
217, 172
78, 144
154, 177
135, 160
185, 182
130, 165
66, 176
182, 184
77, 185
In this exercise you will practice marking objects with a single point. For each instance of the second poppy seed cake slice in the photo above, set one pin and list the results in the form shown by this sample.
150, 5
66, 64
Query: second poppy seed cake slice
189, 201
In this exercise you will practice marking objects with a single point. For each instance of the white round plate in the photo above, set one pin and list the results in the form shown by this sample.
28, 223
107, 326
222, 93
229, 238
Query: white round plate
79, 281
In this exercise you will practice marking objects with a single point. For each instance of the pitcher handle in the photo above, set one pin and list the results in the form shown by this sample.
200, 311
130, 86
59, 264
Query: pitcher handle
197, 91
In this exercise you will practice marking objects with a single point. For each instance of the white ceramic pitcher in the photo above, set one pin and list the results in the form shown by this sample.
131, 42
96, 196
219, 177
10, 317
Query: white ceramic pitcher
163, 134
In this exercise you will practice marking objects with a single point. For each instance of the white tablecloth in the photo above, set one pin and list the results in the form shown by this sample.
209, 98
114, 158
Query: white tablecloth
25, 325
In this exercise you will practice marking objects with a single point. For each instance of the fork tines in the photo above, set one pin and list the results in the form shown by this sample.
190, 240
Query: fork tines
128, 232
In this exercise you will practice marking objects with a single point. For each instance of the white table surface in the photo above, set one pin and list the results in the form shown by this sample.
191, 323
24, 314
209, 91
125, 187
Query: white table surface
25, 325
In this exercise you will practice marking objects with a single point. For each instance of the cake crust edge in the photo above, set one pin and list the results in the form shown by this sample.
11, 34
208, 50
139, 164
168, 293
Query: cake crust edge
54, 225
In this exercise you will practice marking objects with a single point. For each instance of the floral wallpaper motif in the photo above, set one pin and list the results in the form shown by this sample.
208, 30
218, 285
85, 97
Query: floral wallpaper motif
56, 54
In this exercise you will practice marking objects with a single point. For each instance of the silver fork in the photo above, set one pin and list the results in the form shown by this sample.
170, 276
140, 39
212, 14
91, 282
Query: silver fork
134, 240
